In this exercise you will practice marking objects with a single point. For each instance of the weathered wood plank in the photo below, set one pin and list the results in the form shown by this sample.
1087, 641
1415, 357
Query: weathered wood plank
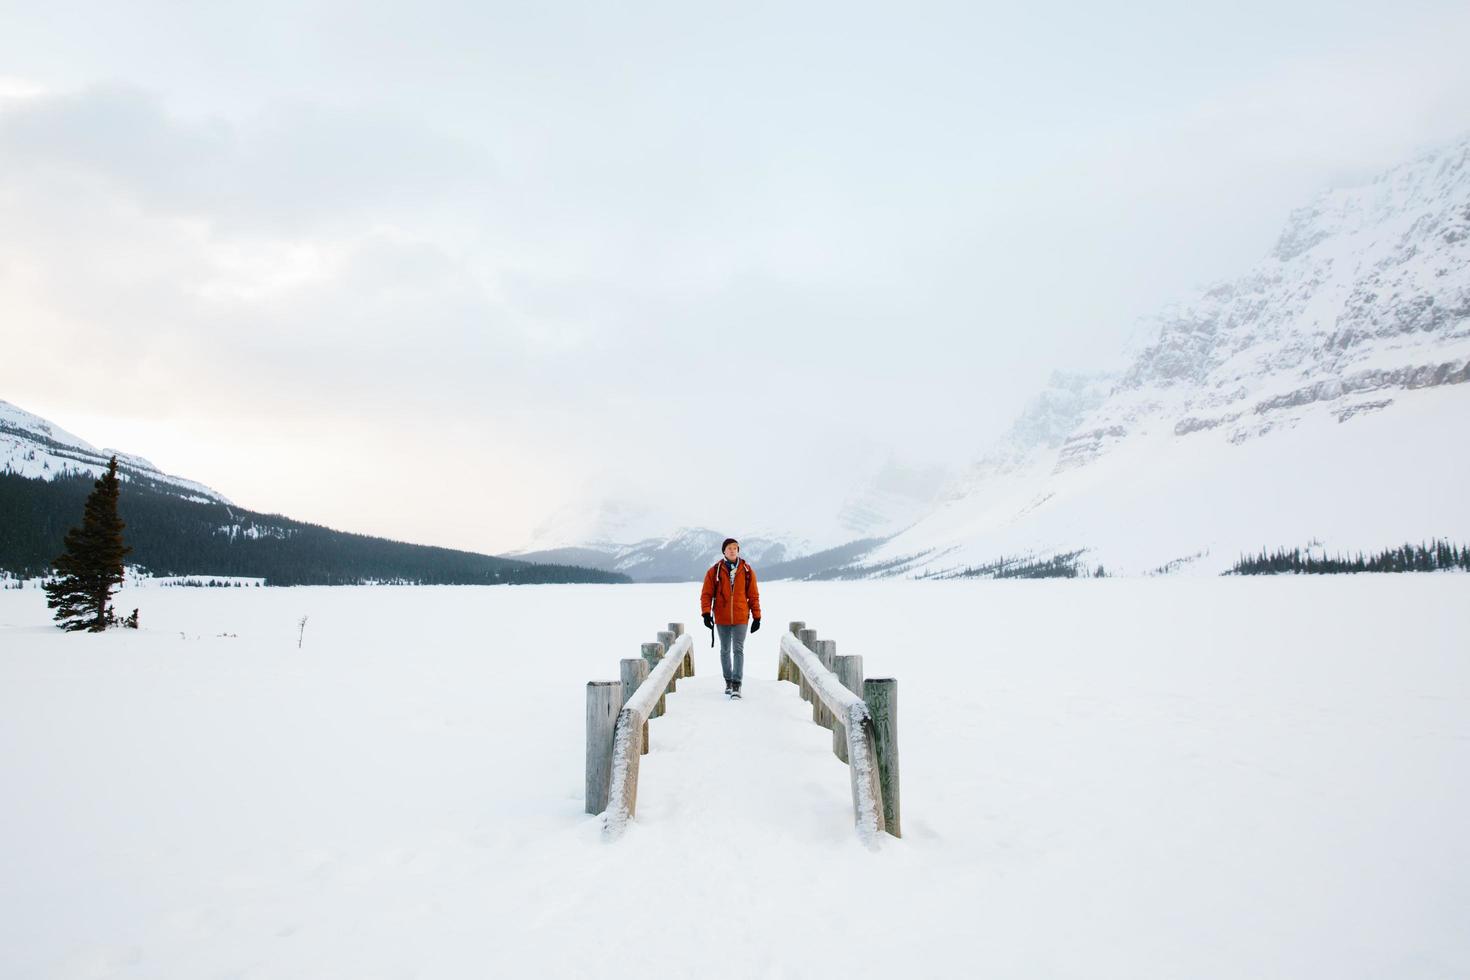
603, 702
849, 671
826, 651
628, 740
634, 671
666, 637
654, 653
807, 638
867, 800
881, 696
792, 674
688, 666
862, 767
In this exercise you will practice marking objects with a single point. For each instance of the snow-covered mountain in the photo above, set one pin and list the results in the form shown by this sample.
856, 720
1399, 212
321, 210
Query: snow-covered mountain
678, 557
632, 537
622, 535
36, 449
178, 528
1319, 396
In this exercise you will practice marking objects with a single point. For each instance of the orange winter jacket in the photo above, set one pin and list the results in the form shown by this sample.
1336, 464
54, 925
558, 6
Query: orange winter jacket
732, 607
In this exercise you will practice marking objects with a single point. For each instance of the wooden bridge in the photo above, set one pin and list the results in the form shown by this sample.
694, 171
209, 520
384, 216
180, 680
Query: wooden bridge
861, 713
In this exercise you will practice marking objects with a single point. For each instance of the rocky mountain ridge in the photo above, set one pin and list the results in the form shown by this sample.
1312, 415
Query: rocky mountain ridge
1336, 357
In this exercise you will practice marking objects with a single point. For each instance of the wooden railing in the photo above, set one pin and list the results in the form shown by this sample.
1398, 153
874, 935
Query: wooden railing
617, 723
863, 716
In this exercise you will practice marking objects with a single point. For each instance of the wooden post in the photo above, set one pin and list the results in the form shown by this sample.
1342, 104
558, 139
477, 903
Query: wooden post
603, 705
849, 670
826, 651
881, 696
791, 674
688, 667
653, 653
666, 637
634, 671
808, 638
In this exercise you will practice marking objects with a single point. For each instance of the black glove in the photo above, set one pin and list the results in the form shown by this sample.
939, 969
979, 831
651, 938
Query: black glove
709, 621
755, 624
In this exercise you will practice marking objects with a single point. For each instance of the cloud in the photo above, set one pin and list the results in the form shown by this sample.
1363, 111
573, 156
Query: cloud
290, 167
541, 247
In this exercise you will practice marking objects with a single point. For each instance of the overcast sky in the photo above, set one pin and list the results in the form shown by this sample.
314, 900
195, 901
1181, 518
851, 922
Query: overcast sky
435, 270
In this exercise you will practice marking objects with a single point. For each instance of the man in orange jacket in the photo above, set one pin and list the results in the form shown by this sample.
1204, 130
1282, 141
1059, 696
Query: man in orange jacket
728, 599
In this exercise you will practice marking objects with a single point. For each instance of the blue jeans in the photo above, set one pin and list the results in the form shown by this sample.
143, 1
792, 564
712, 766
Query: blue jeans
732, 636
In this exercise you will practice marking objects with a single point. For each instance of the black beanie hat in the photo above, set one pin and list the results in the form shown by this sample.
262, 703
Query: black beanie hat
728, 542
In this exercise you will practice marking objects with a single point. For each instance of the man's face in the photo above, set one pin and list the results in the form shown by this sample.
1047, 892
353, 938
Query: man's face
731, 550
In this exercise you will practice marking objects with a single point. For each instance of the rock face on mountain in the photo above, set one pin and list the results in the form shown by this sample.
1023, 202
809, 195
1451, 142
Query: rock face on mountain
1366, 292
1046, 425
34, 448
1319, 396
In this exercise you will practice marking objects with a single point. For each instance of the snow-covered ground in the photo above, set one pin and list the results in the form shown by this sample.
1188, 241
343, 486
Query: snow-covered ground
1166, 778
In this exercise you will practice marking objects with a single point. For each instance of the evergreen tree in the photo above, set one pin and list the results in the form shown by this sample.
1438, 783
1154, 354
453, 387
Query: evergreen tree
1424, 557
92, 565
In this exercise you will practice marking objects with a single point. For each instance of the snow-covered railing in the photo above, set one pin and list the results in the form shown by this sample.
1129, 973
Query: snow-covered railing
617, 723
863, 716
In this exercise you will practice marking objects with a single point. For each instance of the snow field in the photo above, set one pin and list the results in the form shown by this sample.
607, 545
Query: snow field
1120, 778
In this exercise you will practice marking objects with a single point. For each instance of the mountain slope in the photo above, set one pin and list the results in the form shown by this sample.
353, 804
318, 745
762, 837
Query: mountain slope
1318, 396
179, 527
32, 447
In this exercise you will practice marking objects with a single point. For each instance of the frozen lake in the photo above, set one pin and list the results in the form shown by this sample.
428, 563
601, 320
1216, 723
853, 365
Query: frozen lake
1103, 778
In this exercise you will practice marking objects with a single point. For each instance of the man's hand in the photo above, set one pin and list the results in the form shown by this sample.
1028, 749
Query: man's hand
709, 621
755, 624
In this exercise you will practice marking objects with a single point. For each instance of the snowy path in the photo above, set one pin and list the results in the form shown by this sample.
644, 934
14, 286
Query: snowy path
756, 769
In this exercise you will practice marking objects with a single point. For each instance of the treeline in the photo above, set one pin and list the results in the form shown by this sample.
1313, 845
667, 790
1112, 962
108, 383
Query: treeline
1436, 556
1065, 565
173, 536
194, 583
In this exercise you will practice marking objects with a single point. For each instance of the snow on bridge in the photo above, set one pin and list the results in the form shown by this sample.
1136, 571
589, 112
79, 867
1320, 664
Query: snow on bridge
864, 733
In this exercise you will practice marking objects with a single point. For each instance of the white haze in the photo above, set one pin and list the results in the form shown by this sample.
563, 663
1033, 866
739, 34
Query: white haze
341, 262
